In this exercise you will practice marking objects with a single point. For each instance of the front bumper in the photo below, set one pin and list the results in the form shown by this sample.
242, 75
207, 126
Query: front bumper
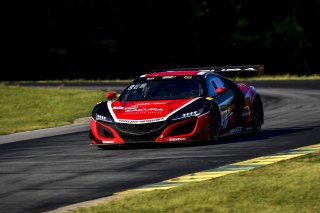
190, 129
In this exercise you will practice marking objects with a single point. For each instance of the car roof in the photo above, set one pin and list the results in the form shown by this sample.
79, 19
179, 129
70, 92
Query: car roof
175, 73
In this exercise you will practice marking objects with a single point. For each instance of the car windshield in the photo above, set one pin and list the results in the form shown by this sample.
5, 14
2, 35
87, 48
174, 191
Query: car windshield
159, 90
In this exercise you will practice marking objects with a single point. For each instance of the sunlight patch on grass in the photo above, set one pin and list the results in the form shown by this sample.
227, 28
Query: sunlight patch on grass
282, 77
23, 109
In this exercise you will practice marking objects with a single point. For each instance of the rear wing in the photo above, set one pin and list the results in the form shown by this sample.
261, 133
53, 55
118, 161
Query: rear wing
245, 71
239, 70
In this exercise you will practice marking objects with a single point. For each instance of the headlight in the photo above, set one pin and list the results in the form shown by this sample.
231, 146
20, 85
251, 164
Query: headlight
188, 114
103, 118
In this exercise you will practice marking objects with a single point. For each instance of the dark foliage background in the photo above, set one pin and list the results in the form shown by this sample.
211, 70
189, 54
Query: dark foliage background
121, 39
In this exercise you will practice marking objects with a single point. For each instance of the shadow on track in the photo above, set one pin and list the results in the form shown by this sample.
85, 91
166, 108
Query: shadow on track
151, 145
245, 137
265, 134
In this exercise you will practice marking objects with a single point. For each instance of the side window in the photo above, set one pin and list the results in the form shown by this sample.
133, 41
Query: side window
214, 82
219, 83
211, 86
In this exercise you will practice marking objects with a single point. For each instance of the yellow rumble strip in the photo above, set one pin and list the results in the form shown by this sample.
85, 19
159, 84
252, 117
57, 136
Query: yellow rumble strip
225, 170
201, 176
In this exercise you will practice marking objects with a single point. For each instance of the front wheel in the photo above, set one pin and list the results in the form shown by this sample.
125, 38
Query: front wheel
214, 126
257, 117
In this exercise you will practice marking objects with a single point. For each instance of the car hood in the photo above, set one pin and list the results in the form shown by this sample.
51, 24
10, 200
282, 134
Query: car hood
146, 111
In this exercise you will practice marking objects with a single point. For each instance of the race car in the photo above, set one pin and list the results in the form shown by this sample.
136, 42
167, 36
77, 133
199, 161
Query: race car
182, 105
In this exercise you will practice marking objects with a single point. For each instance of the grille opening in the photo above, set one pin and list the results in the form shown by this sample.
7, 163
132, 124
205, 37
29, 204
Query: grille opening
185, 128
139, 129
104, 132
139, 138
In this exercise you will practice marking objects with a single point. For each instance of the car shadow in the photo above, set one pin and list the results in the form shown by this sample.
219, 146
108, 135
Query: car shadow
264, 134
245, 137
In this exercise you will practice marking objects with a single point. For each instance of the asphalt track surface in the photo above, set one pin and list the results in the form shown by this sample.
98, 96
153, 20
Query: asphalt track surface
43, 174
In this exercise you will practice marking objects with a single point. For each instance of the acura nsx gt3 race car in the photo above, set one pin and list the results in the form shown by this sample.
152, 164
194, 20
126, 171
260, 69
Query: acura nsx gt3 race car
194, 104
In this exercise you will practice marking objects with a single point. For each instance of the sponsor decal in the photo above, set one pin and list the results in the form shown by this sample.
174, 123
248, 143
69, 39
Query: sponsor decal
108, 142
236, 130
124, 108
131, 87
140, 121
203, 72
159, 103
187, 77
137, 86
152, 103
231, 69
143, 104
239, 130
153, 110
168, 77
177, 139
101, 117
209, 98
136, 109
128, 121
143, 85
224, 118
152, 120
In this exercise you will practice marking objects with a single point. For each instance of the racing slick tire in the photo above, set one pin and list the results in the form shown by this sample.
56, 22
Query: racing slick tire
214, 125
257, 115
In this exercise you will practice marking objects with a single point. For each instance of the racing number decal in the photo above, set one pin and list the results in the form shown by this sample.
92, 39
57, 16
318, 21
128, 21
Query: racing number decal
224, 118
225, 111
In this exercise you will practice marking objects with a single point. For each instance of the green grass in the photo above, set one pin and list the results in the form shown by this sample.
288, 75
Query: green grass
288, 186
282, 77
72, 81
24, 108
85, 80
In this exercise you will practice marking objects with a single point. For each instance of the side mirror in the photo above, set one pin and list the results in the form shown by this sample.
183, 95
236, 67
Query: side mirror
111, 95
221, 90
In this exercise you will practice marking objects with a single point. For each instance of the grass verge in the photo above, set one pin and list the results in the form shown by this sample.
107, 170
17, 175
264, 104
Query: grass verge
23, 109
287, 186
282, 77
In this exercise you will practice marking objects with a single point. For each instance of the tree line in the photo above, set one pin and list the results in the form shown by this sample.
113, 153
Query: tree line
122, 39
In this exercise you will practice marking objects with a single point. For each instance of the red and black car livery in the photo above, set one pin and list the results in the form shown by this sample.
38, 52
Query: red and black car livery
178, 106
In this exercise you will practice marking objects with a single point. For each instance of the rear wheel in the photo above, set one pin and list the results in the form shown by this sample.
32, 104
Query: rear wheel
257, 117
214, 126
